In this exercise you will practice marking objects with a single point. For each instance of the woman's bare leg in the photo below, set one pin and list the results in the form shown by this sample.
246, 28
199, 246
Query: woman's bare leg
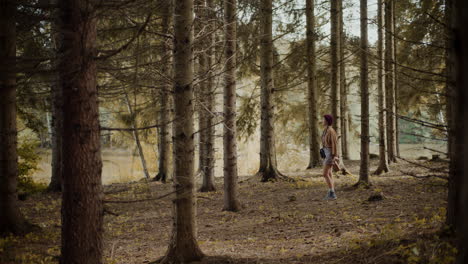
328, 176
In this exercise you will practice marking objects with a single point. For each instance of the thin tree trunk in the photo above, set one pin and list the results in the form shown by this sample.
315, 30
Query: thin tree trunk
460, 44
231, 202
164, 138
11, 219
268, 168
183, 246
390, 81
335, 70
82, 210
314, 145
208, 98
395, 70
364, 167
343, 88
136, 134
200, 88
335, 43
383, 160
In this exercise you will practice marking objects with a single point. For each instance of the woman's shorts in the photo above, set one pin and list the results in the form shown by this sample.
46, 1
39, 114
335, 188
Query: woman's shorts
328, 157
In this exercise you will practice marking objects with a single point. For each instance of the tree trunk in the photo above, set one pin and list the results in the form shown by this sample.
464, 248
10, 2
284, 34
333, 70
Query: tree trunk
395, 70
383, 160
268, 170
200, 88
451, 101
314, 145
209, 100
231, 202
206, 92
11, 219
136, 134
183, 246
82, 210
460, 42
55, 184
335, 43
364, 167
390, 81
335, 70
343, 88
164, 139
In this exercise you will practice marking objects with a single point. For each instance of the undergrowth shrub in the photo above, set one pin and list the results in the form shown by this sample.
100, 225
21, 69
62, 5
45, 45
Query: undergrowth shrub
28, 161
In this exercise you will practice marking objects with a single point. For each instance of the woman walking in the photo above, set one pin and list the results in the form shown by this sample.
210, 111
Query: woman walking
329, 143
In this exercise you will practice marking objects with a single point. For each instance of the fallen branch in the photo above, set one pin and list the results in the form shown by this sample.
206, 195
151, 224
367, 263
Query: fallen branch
423, 166
437, 151
425, 176
140, 200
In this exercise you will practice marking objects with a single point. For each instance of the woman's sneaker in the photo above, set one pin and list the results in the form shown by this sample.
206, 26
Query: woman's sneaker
331, 196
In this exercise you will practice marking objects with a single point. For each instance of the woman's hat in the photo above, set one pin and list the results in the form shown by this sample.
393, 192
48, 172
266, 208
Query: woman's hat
329, 119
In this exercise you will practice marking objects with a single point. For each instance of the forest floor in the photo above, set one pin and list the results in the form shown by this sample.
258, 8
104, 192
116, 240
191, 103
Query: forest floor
281, 222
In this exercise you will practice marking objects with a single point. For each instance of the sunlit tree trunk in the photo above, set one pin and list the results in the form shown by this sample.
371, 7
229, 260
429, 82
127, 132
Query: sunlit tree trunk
314, 146
343, 88
183, 246
364, 49
268, 168
164, 139
82, 210
383, 160
11, 219
460, 42
231, 202
390, 82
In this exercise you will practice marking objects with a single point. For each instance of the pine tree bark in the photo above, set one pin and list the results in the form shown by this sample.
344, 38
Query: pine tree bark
231, 202
268, 170
314, 145
390, 81
11, 219
183, 246
55, 184
460, 44
164, 139
335, 43
82, 210
383, 159
343, 88
395, 70
200, 87
206, 98
364, 166
335, 70
208, 174
450, 87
